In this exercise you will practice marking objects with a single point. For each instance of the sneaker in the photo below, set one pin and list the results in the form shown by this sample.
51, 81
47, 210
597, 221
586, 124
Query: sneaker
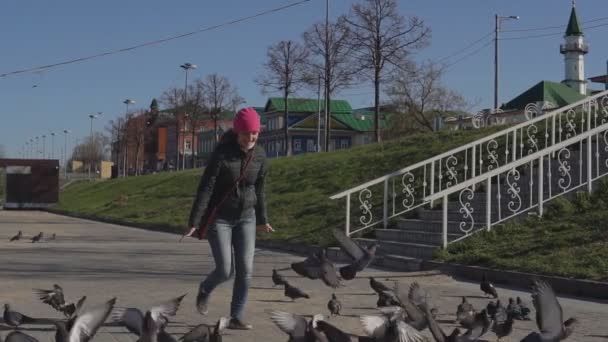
201, 303
237, 324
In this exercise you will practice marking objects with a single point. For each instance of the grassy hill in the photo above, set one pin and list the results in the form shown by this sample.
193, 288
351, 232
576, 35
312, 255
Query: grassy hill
298, 187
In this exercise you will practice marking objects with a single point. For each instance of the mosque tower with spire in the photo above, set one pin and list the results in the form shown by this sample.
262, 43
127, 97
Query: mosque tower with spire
574, 51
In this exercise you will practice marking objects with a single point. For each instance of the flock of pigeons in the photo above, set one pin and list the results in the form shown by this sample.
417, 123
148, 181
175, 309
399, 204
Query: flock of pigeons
403, 311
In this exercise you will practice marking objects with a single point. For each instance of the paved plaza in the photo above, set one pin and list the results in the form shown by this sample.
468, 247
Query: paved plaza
142, 267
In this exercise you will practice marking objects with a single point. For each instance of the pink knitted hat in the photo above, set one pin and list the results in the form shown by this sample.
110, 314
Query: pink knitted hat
246, 120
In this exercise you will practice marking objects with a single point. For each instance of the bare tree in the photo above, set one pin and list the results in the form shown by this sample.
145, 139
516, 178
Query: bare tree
2, 151
173, 98
92, 151
116, 129
284, 72
330, 47
219, 96
382, 38
137, 129
197, 109
420, 96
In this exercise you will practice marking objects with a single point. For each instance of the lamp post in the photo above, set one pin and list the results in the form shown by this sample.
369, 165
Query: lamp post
44, 146
31, 151
498, 19
127, 102
52, 145
187, 67
91, 116
37, 147
65, 153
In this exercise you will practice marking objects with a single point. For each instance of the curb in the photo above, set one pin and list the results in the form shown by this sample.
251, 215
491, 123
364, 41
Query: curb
565, 286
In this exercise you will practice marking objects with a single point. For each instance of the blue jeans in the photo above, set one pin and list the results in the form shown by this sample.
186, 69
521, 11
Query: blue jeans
226, 237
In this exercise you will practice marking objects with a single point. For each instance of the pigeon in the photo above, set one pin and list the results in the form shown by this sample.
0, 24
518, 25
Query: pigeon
465, 313
206, 333
53, 297
480, 327
378, 286
514, 309
52, 238
294, 292
334, 334
491, 308
18, 336
361, 257
549, 316
70, 310
277, 279
503, 321
525, 311
413, 305
149, 329
296, 326
487, 287
387, 298
334, 306
16, 237
15, 319
133, 318
37, 238
390, 329
85, 325
318, 266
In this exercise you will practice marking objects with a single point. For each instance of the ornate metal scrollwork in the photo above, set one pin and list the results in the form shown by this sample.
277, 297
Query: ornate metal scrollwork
465, 197
565, 179
450, 171
366, 206
407, 180
570, 124
513, 189
531, 132
492, 147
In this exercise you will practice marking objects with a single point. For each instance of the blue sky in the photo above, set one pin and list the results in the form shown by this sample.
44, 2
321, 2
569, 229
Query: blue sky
41, 32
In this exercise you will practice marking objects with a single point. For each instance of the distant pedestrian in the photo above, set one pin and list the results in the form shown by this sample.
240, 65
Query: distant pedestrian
230, 205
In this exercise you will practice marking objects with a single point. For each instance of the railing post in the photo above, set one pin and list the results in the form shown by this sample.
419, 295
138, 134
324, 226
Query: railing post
474, 164
445, 222
432, 181
385, 209
488, 203
589, 150
541, 179
347, 215
514, 147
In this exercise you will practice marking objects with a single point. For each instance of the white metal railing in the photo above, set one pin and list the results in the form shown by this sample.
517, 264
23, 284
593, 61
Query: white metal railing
409, 188
549, 173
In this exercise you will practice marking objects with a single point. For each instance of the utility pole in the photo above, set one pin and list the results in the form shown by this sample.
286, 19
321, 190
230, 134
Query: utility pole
327, 78
497, 19
319, 116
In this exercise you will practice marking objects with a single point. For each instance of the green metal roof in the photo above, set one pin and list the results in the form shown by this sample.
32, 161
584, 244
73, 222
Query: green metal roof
556, 93
362, 121
306, 105
574, 28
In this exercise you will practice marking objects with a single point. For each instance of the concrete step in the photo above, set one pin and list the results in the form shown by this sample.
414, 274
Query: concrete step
413, 250
417, 225
413, 236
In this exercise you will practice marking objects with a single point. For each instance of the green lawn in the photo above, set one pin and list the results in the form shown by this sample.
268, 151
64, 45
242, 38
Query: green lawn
298, 187
571, 240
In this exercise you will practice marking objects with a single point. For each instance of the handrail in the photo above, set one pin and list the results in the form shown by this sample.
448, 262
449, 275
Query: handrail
488, 138
519, 162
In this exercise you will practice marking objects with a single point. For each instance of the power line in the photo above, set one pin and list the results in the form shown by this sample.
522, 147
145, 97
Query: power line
468, 55
154, 42
465, 48
551, 34
552, 27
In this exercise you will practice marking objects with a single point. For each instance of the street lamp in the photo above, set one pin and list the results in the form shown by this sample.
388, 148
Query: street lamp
52, 145
127, 102
498, 20
186, 67
91, 116
37, 147
31, 151
44, 146
65, 153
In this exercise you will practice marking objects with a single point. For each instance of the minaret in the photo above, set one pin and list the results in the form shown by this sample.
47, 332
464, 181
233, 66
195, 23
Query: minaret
574, 51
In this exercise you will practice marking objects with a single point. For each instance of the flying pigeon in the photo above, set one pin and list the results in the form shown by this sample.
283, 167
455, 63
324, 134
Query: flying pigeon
206, 333
378, 286
133, 319
361, 257
318, 266
390, 329
53, 297
18, 336
83, 327
478, 328
296, 326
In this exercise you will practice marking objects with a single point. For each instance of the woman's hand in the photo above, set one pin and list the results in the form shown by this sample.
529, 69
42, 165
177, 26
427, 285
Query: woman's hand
266, 228
190, 233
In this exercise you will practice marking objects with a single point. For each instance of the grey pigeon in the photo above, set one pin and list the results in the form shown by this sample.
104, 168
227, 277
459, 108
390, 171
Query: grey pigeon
15, 319
318, 266
486, 287
150, 329
85, 325
296, 326
206, 333
53, 297
525, 311
133, 318
503, 321
390, 329
71, 310
277, 279
334, 334
514, 309
378, 286
361, 257
52, 238
16, 237
334, 306
294, 292
471, 335
18, 336
37, 238
386, 298
549, 316
491, 308
465, 313
413, 305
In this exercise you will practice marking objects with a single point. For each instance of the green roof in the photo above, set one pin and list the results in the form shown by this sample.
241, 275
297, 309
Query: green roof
361, 120
556, 93
296, 105
574, 28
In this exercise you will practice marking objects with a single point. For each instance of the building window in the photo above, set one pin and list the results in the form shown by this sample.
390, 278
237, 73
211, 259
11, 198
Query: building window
188, 145
297, 145
344, 143
310, 145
